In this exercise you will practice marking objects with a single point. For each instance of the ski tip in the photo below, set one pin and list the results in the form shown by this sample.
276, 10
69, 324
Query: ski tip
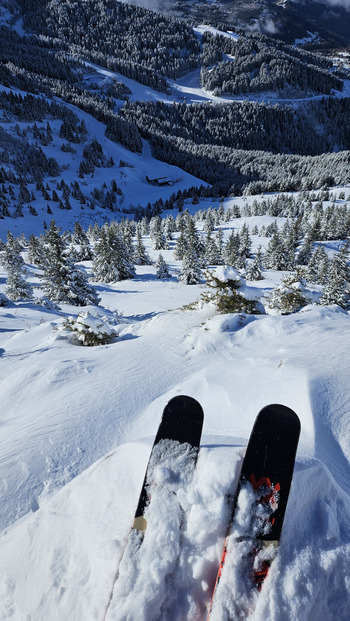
185, 404
277, 410
185, 399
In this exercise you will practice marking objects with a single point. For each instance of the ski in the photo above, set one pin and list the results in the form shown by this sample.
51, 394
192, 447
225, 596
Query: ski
173, 455
258, 511
181, 422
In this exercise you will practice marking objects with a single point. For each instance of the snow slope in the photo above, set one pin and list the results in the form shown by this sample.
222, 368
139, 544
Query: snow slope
78, 424
66, 407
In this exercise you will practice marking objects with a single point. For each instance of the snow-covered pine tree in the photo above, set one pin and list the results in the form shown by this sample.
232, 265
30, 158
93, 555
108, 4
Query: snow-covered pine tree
13, 243
35, 250
190, 271
225, 282
192, 237
55, 266
181, 246
140, 255
111, 261
169, 227
126, 235
254, 270
290, 295
157, 235
212, 255
80, 244
318, 265
17, 287
81, 293
337, 287
219, 241
209, 223
245, 241
162, 268
275, 255
89, 330
231, 249
305, 251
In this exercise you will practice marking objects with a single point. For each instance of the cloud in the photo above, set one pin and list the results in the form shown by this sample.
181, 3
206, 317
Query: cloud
345, 4
154, 5
264, 24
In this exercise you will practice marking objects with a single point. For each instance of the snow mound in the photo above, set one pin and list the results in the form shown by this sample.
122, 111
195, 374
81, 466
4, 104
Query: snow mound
226, 273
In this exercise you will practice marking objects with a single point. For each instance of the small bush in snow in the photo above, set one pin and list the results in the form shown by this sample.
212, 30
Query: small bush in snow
48, 304
89, 330
289, 296
226, 282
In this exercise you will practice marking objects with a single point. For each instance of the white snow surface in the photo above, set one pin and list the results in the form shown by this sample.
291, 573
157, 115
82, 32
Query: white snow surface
77, 429
77, 426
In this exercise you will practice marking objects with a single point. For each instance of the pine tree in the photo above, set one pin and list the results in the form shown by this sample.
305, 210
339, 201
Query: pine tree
305, 250
126, 235
337, 287
219, 241
225, 282
255, 267
157, 235
55, 266
112, 262
289, 296
190, 271
318, 266
212, 255
140, 255
35, 250
209, 224
89, 330
275, 255
162, 268
16, 286
231, 249
169, 227
181, 246
245, 242
103, 265
192, 237
81, 293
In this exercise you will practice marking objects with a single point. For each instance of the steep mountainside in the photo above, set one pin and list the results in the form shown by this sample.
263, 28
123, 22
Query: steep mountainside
324, 25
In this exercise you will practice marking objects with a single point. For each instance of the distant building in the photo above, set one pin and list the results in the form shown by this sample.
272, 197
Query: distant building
159, 180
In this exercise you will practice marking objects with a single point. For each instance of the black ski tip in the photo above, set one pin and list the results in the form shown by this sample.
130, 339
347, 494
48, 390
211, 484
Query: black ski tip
182, 420
185, 403
276, 412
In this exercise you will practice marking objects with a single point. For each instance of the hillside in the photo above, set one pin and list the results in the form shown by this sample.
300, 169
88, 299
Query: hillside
316, 25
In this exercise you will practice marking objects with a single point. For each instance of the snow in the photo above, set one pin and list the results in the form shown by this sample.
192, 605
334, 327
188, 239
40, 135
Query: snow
226, 273
77, 428
78, 424
201, 29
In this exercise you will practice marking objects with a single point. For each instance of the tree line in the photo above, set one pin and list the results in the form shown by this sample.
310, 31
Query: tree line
295, 246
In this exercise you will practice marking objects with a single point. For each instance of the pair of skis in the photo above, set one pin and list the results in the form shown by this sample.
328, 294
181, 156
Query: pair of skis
258, 507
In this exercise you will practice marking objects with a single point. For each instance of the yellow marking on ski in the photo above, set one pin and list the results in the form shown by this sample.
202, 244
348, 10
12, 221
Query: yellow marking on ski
265, 543
139, 523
